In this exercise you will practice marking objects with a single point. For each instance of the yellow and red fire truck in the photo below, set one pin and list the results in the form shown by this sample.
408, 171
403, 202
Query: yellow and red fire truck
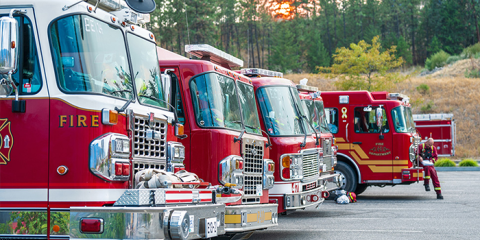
376, 138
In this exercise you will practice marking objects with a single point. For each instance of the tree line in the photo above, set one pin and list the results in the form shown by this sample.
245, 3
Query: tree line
307, 33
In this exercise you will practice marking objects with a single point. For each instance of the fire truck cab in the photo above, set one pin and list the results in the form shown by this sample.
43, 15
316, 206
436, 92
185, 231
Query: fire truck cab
87, 138
225, 144
376, 138
315, 110
299, 182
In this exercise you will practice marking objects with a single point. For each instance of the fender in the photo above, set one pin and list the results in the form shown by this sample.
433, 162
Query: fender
354, 164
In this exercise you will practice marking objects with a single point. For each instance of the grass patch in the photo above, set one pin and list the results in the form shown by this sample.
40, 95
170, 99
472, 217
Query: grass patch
445, 162
474, 73
468, 163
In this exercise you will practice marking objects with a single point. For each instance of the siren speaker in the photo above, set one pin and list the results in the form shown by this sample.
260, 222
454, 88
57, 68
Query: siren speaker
142, 6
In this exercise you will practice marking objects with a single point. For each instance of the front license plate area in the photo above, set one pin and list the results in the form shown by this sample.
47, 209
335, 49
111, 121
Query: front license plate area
211, 227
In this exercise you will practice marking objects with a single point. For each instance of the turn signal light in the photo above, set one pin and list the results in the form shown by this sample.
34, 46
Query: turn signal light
118, 169
91, 225
271, 167
286, 173
286, 161
239, 164
13, 44
126, 169
179, 129
109, 117
176, 169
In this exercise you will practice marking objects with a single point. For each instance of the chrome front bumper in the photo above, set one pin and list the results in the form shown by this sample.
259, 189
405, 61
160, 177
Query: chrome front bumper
241, 218
311, 197
169, 222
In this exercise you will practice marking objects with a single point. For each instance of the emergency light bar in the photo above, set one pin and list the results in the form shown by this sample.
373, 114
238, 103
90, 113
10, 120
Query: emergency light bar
261, 72
398, 96
207, 52
307, 88
120, 9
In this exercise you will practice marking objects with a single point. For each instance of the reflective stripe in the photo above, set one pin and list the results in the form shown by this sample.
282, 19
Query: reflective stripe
85, 195
437, 188
426, 177
23, 195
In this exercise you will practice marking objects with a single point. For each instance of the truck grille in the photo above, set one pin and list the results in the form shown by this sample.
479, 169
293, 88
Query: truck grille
149, 149
253, 168
142, 165
310, 163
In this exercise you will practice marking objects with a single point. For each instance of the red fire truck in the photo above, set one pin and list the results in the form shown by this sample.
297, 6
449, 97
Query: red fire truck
314, 108
299, 182
87, 137
225, 144
376, 138
441, 127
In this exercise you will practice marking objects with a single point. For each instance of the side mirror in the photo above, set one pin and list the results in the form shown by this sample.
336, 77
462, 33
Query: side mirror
8, 45
8, 53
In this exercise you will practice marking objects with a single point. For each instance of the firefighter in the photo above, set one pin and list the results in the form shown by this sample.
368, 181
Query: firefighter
427, 156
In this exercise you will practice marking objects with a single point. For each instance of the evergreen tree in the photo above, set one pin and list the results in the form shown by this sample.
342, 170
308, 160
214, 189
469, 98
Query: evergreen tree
403, 51
435, 46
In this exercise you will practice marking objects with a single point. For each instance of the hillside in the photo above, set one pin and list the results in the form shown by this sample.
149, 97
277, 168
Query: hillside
450, 92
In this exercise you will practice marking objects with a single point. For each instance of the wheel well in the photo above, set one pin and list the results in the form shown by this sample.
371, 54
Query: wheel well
351, 163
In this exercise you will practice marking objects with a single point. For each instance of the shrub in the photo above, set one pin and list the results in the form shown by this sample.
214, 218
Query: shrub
423, 88
436, 60
468, 163
453, 59
473, 73
427, 108
471, 51
444, 162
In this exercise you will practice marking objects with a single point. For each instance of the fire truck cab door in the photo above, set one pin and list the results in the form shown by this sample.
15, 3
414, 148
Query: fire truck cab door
24, 135
372, 153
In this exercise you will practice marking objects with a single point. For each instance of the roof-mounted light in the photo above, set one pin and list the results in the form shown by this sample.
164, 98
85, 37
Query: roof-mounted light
307, 88
398, 96
261, 72
207, 52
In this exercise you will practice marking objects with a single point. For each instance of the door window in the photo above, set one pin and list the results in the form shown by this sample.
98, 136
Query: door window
332, 119
365, 120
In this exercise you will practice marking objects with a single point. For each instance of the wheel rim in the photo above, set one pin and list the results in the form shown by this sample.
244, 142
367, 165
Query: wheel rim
344, 179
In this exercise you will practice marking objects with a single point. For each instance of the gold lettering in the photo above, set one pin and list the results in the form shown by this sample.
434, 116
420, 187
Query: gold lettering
94, 120
63, 120
71, 121
81, 121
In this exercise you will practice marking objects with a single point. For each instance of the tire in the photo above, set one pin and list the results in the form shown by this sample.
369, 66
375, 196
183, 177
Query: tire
361, 188
350, 178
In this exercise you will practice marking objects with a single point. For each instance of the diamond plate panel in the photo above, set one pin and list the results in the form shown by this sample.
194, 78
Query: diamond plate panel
160, 196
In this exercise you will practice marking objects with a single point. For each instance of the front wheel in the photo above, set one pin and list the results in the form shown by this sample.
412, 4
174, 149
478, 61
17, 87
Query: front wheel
360, 189
349, 182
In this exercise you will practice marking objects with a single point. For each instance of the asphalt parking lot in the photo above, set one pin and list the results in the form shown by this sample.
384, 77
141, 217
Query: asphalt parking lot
400, 212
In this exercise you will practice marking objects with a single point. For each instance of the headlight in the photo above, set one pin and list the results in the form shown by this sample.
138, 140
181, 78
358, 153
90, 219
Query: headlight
230, 171
291, 167
109, 157
175, 156
411, 152
268, 170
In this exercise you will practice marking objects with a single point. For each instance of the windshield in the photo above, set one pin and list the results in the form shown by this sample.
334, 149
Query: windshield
403, 119
90, 56
279, 111
146, 71
316, 115
215, 101
249, 108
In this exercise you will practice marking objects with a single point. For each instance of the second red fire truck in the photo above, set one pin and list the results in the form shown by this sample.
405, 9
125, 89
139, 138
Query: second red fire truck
376, 138
225, 144
441, 127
